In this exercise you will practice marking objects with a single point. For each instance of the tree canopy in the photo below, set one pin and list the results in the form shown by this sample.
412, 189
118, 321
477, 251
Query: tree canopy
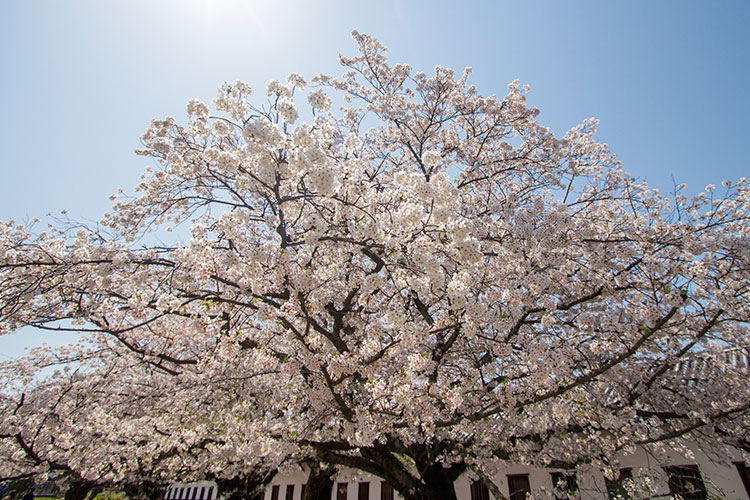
416, 282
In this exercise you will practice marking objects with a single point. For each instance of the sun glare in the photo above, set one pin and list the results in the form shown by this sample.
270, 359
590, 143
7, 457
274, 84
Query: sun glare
215, 11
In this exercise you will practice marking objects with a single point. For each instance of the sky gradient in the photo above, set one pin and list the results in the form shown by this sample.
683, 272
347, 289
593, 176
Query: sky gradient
669, 80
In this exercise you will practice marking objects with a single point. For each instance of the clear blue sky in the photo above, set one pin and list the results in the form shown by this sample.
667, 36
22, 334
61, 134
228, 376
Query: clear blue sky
669, 80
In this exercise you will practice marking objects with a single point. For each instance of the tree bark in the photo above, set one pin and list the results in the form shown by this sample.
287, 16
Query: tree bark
78, 489
432, 480
437, 483
247, 487
319, 482
144, 489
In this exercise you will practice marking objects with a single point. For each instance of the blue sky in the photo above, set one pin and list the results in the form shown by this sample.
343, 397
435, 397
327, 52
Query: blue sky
81, 80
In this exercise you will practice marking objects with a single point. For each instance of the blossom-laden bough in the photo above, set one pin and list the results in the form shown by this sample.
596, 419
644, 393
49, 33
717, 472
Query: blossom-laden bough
422, 282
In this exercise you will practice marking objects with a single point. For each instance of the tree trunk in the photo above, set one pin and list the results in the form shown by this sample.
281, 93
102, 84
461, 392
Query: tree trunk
432, 480
319, 482
78, 489
143, 489
437, 483
429, 493
248, 487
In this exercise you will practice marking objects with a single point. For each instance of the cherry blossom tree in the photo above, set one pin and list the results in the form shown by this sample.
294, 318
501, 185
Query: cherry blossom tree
423, 282
113, 423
